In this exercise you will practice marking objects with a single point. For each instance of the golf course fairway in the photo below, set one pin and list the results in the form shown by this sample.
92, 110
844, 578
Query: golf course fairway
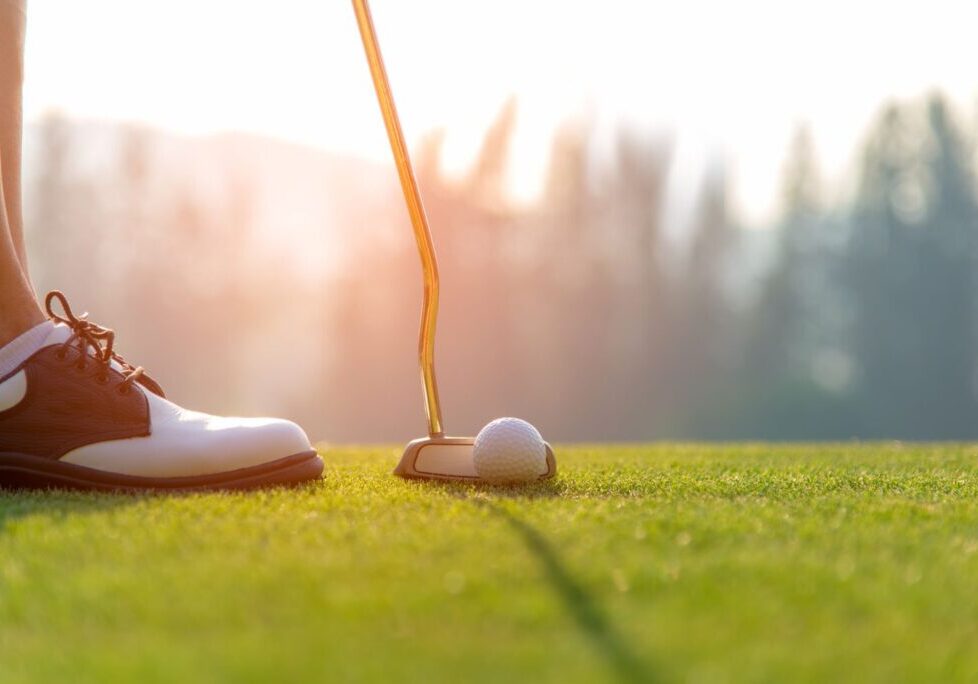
665, 562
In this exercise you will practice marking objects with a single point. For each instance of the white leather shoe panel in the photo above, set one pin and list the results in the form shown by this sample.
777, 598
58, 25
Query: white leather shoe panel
186, 443
12, 390
59, 334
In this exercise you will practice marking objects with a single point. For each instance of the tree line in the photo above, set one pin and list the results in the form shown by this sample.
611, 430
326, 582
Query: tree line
575, 312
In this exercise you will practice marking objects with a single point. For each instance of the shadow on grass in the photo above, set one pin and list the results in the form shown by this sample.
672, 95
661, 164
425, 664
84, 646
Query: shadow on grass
579, 603
57, 504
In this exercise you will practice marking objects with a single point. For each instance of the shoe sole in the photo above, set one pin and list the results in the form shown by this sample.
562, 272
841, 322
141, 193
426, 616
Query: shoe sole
23, 471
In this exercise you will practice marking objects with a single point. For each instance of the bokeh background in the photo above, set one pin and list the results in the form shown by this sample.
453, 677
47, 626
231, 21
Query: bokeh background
697, 220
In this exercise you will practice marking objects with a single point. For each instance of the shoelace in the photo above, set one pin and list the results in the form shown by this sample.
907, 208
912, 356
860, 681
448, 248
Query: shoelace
87, 335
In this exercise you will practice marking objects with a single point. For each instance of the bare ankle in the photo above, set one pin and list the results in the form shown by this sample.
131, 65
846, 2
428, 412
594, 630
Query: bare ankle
17, 317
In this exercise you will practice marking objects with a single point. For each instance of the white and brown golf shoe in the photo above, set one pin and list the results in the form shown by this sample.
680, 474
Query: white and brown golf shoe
76, 414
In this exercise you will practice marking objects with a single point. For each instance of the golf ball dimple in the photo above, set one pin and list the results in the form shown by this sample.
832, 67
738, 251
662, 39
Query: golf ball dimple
509, 450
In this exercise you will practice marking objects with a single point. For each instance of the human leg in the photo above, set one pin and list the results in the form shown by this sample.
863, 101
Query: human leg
19, 310
12, 28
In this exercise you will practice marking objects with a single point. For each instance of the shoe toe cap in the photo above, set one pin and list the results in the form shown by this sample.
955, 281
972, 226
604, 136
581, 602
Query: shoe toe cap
254, 441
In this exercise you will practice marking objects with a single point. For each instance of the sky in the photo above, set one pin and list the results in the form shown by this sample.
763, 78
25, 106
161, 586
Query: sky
728, 81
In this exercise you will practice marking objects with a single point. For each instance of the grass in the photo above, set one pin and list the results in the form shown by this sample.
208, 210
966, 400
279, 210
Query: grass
647, 563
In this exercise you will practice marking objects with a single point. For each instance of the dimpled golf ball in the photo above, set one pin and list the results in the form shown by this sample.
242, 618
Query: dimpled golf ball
509, 450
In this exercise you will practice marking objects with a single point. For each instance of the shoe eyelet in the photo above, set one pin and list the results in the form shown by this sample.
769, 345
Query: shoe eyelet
61, 355
102, 378
124, 390
81, 365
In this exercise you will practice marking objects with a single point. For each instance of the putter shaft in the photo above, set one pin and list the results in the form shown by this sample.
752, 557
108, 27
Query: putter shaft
419, 221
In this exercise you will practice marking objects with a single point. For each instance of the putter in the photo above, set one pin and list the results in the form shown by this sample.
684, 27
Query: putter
436, 456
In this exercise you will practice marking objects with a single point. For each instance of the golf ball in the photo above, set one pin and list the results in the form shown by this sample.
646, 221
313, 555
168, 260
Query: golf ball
509, 450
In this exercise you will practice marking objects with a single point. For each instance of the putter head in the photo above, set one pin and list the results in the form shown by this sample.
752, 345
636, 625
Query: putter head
449, 458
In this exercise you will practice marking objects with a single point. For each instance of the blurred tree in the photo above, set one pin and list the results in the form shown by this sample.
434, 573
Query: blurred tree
910, 266
707, 269
795, 373
778, 342
707, 333
487, 178
641, 335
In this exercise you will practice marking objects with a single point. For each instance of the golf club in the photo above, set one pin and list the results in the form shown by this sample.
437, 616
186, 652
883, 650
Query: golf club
435, 456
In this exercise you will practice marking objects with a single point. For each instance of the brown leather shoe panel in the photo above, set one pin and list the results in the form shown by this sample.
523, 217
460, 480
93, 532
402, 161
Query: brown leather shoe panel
66, 407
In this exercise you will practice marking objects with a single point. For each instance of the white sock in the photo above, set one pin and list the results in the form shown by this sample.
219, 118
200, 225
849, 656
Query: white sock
21, 348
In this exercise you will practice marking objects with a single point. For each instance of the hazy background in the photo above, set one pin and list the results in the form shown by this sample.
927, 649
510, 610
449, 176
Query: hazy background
696, 220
